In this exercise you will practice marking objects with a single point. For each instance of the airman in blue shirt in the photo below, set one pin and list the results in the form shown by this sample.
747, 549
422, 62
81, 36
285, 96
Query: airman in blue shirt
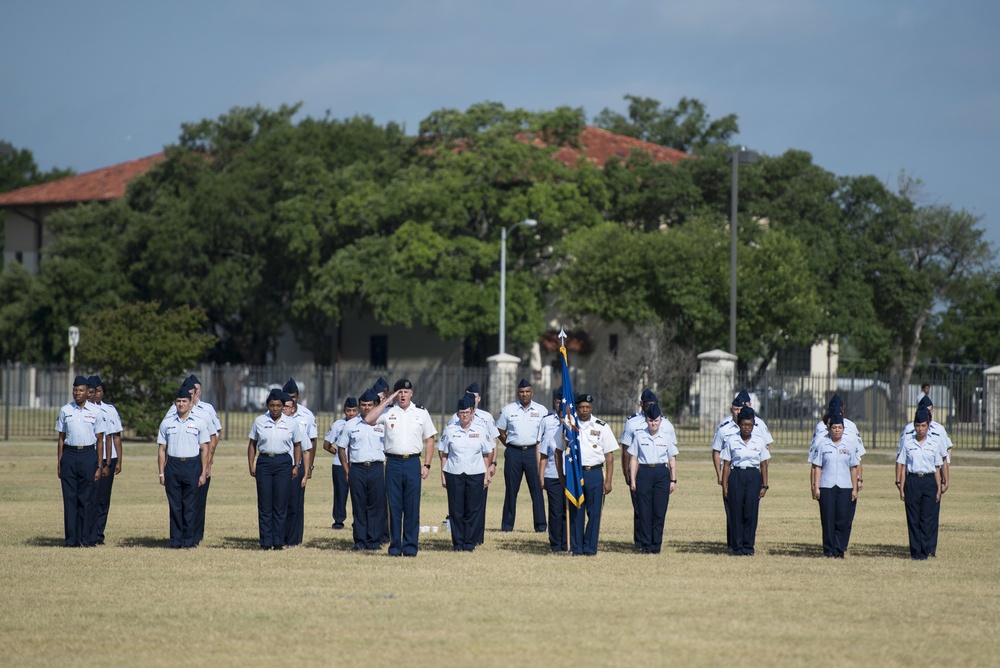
653, 459
744, 480
466, 449
555, 491
918, 477
182, 458
340, 485
81, 426
361, 450
520, 425
273, 453
835, 459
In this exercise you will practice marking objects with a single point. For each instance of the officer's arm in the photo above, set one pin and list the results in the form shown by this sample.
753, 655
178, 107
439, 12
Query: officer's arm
296, 457
375, 412
101, 461
60, 445
117, 442
311, 456
329, 447
251, 456
161, 460
206, 458
626, 463
559, 466
503, 436
726, 467
763, 475
609, 464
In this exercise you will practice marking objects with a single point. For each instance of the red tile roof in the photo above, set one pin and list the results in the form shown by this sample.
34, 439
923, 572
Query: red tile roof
100, 185
598, 146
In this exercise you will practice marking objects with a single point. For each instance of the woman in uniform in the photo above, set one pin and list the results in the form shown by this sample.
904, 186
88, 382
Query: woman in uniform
653, 478
274, 448
918, 477
744, 480
465, 452
834, 482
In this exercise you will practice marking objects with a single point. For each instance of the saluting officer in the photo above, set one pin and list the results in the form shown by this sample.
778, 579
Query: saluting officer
835, 459
278, 440
918, 477
409, 430
81, 427
653, 459
110, 456
182, 458
727, 428
744, 480
465, 448
555, 491
361, 450
295, 524
520, 425
340, 489
936, 431
597, 447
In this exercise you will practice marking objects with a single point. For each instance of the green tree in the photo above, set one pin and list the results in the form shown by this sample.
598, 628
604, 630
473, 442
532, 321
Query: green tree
687, 127
141, 351
968, 331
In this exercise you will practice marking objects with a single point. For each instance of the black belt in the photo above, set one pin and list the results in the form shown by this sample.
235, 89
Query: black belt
746, 468
180, 459
520, 447
389, 454
590, 468
920, 475
80, 447
272, 455
367, 464
654, 466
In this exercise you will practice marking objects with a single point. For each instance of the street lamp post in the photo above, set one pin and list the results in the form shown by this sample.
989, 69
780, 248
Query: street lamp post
74, 341
527, 222
747, 158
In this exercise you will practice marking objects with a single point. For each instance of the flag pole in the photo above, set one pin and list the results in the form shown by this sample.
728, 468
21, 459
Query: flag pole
562, 351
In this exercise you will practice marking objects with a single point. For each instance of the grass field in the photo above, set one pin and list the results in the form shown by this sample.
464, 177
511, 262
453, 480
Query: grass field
134, 602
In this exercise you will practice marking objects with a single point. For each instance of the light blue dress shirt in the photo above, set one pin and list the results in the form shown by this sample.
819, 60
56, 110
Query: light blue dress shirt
465, 448
363, 442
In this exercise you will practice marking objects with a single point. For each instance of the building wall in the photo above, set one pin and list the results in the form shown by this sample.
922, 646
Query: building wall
24, 236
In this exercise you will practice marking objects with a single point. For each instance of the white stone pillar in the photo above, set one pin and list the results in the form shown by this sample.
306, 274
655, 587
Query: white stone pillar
717, 380
992, 403
502, 388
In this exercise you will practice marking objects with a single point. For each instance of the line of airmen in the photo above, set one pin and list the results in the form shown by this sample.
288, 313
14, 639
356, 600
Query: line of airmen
380, 440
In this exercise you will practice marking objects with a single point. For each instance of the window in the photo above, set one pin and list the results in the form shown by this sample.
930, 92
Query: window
379, 351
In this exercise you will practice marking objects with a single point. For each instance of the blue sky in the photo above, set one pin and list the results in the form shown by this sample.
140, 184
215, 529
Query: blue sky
870, 87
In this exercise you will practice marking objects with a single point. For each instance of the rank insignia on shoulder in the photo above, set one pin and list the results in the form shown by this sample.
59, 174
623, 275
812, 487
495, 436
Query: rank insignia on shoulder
600, 422
418, 406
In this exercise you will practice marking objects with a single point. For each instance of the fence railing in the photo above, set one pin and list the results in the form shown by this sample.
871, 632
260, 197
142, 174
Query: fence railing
792, 404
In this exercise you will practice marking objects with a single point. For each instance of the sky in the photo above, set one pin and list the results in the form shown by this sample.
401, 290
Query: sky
865, 86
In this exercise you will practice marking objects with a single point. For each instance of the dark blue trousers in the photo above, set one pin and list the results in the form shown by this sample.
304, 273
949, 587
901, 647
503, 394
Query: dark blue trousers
652, 494
835, 516
367, 504
729, 524
295, 520
480, 526
402, 487
274, 481
340, 491
465, 495
744, 505
583, 536
635, 520
517, 464
180, 480
921, 511
103, 503
199, 520
76, 476
556, 492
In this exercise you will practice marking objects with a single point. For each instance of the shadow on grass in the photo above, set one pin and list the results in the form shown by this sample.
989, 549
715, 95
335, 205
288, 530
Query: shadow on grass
815, 550
879, 550
239, 543
698, 546
144, 541
525, 546
803, 550
45, 541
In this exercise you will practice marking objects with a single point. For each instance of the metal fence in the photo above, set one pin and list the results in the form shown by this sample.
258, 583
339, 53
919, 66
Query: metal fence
792, 404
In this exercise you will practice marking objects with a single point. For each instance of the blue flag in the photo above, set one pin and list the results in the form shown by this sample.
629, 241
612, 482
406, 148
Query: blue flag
572, 464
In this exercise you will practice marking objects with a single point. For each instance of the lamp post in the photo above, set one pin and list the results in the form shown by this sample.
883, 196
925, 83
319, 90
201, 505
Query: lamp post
745, 157
527, 222
74, 341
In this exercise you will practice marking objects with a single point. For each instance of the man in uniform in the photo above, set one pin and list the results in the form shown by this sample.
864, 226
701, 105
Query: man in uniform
81, 427
409, 430
295, 524
338, 472
597, 446
183, 460
727, 428
547, 472
361, 450
519, 427
110, 456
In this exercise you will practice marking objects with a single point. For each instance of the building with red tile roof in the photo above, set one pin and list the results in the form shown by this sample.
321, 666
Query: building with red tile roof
598, 146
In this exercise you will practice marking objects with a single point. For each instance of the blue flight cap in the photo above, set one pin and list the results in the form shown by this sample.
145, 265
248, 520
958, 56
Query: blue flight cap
653, 411
922, 415
925, 402
275, 395
286, 397
369, 395
192, 380
523, 383
80, 380
584, 399
183, 392
648, 397
836, 418
350, 402
290, 387
474, 388
93, 382
381, 385
742, 399
746, 413
467, 401
557, 393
